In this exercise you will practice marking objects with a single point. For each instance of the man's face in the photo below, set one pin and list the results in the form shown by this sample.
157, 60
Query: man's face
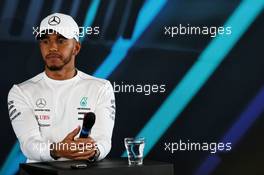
58, 52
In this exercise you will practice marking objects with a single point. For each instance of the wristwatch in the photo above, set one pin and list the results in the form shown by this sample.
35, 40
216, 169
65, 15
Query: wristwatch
95, 157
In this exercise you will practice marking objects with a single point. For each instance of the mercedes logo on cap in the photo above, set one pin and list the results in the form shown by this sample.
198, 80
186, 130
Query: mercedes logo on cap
41, 102
54, 20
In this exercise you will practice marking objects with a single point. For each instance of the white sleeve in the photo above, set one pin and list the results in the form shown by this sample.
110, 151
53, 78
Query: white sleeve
105, 119
26, 126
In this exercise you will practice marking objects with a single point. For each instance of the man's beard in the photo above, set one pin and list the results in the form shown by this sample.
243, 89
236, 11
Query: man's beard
58, 68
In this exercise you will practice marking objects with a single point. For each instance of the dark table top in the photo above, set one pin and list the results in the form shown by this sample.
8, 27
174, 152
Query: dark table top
106, 165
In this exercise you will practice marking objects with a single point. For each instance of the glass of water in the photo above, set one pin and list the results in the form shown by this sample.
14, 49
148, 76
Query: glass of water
135, 148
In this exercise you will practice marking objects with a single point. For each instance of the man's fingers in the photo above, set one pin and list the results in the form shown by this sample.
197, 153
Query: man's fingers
88, 141
72, 134
80, 147
83, 156
82, 153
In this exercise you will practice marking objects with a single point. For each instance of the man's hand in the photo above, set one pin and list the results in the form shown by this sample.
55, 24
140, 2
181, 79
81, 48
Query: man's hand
77, 149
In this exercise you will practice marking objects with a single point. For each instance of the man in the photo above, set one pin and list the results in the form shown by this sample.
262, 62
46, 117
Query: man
47, 110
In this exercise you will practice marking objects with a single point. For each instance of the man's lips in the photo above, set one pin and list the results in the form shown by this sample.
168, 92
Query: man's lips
53, 56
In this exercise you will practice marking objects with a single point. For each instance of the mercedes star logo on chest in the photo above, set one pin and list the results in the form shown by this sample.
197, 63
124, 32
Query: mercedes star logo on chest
41, 103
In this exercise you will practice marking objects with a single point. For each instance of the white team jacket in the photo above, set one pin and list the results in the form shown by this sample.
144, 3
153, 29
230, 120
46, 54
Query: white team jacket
43, 111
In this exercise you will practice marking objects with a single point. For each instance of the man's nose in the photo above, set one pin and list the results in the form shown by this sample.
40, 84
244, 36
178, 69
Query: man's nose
53, 46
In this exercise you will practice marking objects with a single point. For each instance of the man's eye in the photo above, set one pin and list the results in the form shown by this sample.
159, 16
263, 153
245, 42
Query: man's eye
61, 41
44, 41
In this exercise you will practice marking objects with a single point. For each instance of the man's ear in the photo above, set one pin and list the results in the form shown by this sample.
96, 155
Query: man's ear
77, 48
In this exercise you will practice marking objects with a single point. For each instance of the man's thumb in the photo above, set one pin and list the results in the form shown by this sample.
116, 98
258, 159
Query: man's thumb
72, 134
